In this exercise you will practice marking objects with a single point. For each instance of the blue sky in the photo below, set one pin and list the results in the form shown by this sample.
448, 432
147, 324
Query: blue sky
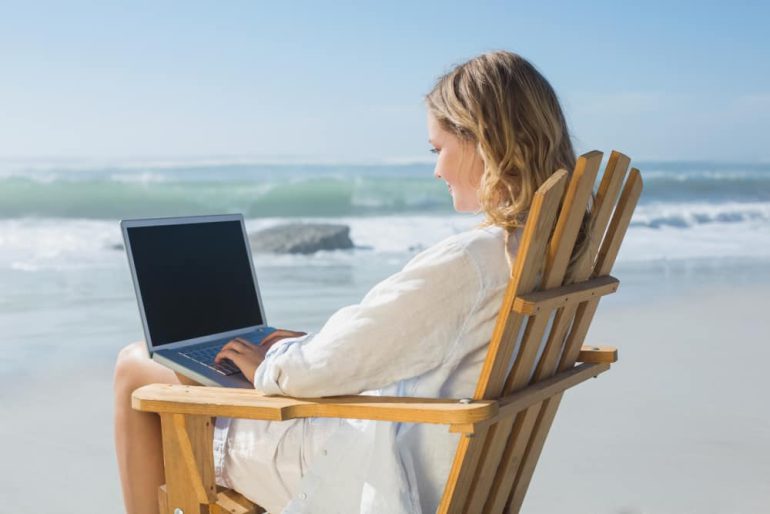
344, 81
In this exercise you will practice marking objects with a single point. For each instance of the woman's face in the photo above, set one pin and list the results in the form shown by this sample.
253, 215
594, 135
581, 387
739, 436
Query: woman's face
458, 163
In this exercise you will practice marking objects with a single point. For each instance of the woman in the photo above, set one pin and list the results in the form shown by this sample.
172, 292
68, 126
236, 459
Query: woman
499, 133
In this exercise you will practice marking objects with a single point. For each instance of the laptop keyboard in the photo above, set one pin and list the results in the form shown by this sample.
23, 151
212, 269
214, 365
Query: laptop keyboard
205, 355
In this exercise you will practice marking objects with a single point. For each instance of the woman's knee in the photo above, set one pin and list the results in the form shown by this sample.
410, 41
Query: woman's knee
127, 364
134, 368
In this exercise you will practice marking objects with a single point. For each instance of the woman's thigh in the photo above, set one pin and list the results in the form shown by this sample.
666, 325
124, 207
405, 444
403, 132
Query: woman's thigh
265, 460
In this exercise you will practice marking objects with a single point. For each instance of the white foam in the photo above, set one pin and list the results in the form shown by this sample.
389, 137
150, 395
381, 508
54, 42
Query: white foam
144, 177
33, 244
714, 240
691, 214
388, 233
736, 174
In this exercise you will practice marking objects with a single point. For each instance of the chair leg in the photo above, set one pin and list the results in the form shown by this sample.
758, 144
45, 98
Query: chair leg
189, 464
189, 468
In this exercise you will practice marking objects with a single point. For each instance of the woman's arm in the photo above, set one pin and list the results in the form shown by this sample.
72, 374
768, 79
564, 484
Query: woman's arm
403, 327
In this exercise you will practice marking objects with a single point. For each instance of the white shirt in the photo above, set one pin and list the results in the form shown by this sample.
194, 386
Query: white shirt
421, 332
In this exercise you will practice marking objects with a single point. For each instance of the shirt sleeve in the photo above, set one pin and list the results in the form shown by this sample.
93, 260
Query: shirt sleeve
404, 326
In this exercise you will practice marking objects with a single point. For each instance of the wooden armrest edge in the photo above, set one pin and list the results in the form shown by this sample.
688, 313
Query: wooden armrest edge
250, 404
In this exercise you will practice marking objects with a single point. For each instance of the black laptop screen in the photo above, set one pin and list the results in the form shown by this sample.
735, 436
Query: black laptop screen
195, 279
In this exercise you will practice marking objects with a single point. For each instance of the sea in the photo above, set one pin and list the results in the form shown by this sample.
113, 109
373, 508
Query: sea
66, 284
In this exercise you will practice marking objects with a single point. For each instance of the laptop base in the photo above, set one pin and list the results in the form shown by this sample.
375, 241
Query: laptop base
205, 376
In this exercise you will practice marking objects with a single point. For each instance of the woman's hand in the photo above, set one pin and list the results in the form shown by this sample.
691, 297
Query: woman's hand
247, 356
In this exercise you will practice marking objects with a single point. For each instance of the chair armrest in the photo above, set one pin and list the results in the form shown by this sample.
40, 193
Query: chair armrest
464, 416
597, 354
252, 404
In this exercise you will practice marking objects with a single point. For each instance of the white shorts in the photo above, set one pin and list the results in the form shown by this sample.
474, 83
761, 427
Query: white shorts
265, 460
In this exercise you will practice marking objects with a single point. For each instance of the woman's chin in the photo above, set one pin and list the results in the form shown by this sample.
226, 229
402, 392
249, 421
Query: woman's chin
462, 207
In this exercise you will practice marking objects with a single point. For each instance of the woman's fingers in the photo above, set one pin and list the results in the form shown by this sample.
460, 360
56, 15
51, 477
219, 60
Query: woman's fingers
271, 337
244, 354
290, 333
239, 345
279, 334
241, 361
246, 362
234, 349
228, 353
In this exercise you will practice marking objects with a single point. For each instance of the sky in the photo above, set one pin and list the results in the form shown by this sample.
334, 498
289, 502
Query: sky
345, 81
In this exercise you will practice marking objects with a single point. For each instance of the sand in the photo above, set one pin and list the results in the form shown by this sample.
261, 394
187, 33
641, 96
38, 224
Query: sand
680, 424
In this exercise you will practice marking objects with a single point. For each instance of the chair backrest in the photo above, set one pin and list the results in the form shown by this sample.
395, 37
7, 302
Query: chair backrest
492, 468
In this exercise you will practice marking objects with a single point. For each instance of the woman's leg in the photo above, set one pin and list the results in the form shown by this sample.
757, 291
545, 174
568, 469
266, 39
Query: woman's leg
137, 434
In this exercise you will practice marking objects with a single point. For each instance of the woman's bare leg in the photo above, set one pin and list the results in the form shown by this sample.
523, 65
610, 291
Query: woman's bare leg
137, 434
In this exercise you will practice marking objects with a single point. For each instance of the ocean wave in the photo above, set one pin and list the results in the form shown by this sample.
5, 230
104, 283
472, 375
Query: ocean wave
149, 195
687, 215
678, 188
35, 244
308, 189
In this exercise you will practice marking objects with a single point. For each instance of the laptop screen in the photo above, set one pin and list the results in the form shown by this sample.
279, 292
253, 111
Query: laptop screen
195, 279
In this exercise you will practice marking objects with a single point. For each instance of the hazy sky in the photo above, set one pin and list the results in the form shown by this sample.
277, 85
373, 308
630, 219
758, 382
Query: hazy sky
345, 80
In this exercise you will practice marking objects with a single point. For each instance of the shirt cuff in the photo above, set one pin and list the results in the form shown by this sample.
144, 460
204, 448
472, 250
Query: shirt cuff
266, 376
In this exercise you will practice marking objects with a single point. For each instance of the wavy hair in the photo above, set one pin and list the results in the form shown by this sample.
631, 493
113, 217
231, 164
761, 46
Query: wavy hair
502, 104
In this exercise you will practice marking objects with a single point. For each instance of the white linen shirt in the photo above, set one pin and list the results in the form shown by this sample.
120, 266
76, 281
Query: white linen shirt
421, 332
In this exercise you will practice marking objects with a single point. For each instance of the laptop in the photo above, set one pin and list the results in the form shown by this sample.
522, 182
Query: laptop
196, 289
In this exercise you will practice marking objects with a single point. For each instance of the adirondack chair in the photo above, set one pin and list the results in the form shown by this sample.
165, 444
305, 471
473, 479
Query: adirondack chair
504, 426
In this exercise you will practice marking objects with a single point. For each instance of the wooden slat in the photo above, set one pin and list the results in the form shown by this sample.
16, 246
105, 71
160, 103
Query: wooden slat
571, 216
606, 196
525, 276
250, 404
502, 456
542, 216
605, 261
619, 224
544, 301
607, 255
512, 404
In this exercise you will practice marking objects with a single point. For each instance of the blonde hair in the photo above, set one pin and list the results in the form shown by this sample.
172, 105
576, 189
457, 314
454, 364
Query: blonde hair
500, 102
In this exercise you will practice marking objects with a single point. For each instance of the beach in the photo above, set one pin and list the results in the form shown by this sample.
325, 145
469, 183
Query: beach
677, 425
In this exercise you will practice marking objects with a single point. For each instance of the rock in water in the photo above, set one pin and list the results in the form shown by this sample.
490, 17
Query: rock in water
301, 238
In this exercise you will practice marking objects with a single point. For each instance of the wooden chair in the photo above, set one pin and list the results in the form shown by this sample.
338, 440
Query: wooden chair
506, 422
